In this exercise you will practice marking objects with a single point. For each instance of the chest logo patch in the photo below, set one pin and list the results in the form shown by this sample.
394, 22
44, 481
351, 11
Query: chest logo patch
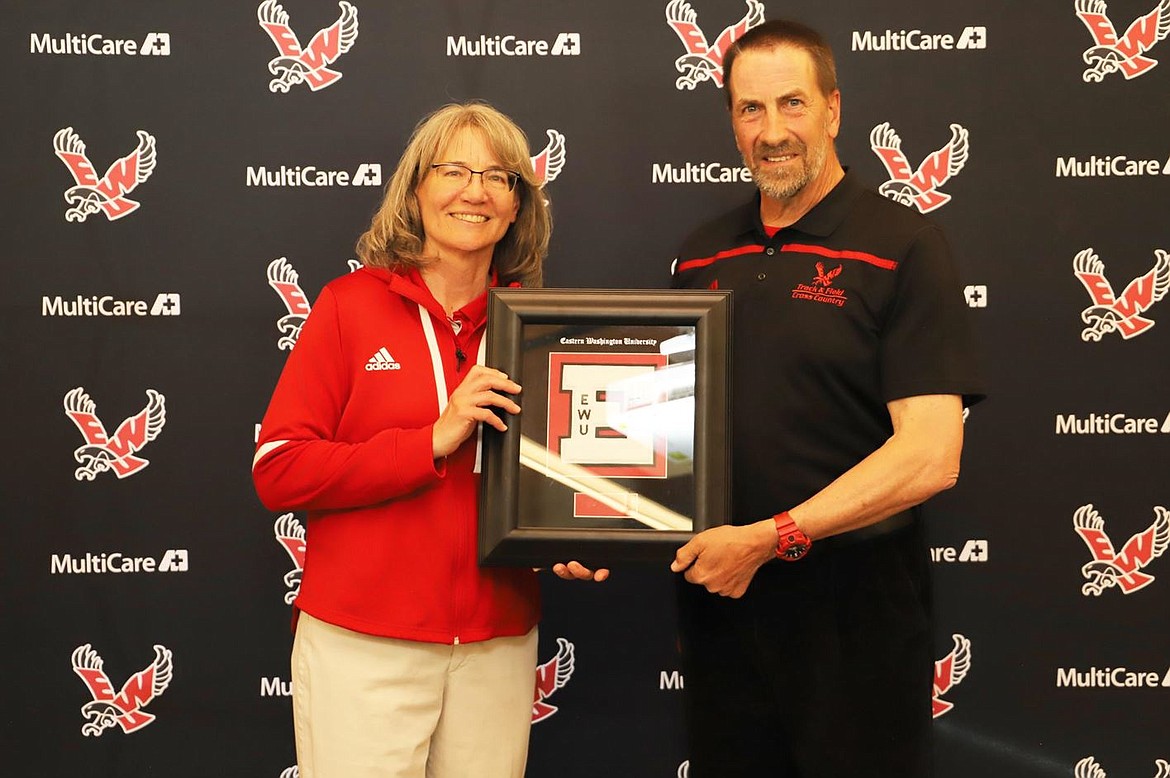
821, 290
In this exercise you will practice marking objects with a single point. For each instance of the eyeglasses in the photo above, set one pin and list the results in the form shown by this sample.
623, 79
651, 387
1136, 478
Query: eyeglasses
494, 179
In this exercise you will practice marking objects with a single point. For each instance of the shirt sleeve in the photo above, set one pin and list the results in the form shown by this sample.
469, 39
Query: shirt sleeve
927, 346
299, 465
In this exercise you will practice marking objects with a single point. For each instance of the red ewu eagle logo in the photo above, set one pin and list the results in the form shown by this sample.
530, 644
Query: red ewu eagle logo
825, 278
550, 676
1125, 54
551, 160
123, 708
297, 65
283, 278
949, 672
290, 534
704, 62
1112, 313
108, 193
103, 452
1123, 569
918, 188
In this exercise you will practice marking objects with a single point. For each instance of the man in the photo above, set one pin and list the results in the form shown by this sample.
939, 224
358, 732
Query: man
805, 624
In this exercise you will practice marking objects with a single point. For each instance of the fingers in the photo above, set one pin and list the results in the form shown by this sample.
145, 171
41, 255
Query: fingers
481, 378
575, 571
470, 404
684, 558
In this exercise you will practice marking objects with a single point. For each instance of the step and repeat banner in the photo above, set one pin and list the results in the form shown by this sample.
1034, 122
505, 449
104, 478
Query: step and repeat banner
182, 179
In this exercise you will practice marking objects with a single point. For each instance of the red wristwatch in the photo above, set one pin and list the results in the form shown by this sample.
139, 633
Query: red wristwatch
791, 543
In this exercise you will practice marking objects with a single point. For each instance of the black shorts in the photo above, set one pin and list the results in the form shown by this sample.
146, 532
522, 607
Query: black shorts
823, 669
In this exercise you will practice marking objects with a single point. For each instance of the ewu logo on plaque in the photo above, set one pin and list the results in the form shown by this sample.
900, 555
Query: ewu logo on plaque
611, 443
1125, 54
1125, 568
103, 452
948, 673
1113, 313
108, 193
308, 64
703, 61
550, 676
580, 399
919, 187
124, 708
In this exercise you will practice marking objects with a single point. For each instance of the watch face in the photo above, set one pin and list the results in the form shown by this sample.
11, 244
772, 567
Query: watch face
795, 551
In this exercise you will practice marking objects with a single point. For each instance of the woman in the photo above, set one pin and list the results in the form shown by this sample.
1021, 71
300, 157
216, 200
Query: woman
409, 659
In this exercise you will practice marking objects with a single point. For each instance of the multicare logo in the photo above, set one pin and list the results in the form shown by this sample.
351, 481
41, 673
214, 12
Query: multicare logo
1125, 54
1123, 569
173, 560
974, 551
311, 176
948, 673
125, 708
975, 295
698, 173
307, 65
567, 44
972, 37
918, 188
1110, 424
1110, 678
108, 193
703, 61
1111, 313
1089, 767
102, 452
106, 305
290, 534
156, 44
550, 676
1110, 166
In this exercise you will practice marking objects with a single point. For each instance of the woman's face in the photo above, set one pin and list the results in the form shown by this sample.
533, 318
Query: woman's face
465, 218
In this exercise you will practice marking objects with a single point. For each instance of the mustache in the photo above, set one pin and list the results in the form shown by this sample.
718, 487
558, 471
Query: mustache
768, 150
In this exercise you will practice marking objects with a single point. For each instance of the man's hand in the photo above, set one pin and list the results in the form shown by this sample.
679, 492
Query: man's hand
725, 559
471, 403
575, 571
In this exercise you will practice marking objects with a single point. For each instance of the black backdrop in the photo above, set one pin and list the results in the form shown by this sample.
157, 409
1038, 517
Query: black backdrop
1043, 667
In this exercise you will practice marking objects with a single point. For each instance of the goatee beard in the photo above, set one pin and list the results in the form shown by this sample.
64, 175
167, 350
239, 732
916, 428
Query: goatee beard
786, 185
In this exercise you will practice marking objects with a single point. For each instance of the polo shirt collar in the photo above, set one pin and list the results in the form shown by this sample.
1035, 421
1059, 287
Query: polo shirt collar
821, 220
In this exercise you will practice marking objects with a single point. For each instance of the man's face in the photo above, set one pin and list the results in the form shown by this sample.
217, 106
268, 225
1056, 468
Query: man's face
784, 127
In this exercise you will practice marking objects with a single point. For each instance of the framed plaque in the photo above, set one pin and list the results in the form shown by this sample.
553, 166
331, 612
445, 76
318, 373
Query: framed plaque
620, 451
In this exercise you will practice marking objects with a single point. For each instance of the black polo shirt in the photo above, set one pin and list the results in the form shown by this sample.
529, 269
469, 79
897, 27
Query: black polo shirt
856, 304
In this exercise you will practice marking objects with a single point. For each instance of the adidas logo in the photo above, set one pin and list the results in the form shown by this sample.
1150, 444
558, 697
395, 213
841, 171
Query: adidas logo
382, 361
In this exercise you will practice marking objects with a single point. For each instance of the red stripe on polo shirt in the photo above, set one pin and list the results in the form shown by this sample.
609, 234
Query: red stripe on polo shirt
884, 264
704, 261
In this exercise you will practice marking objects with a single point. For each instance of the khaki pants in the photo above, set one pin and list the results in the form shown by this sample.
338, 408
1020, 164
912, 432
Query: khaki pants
374, 707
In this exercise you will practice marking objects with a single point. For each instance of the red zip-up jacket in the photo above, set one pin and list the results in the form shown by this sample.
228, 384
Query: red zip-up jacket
391, 535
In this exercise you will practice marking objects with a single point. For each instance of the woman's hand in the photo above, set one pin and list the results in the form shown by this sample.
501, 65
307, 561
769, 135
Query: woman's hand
470, 403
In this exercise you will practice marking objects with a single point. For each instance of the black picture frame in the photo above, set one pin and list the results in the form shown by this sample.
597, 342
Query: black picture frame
513, 316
